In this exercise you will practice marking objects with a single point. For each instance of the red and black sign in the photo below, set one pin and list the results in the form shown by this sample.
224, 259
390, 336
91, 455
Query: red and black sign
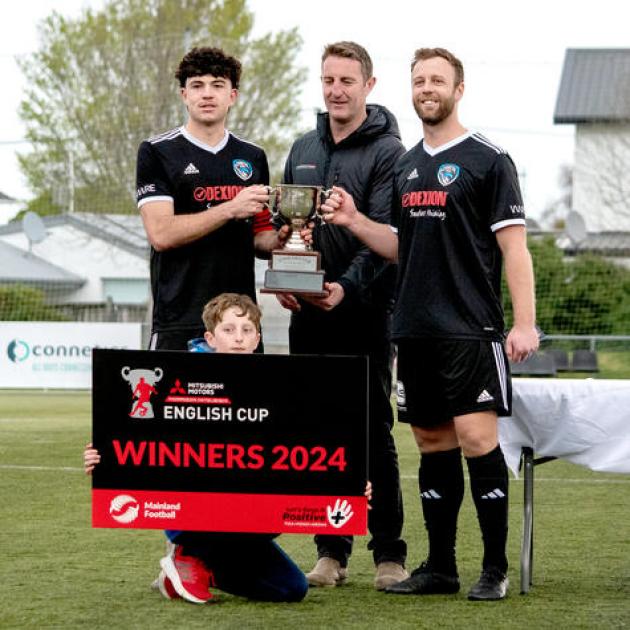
232, 443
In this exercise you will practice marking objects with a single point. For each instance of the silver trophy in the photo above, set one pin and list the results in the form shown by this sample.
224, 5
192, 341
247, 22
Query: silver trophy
296, 268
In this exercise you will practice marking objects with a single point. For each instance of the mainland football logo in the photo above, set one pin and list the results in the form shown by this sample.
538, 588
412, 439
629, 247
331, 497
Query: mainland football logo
447, 174
243, 169
141, 383
124, 508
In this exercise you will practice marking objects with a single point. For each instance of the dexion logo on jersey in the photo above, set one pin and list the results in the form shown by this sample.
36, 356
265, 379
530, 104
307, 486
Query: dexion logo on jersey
424, 198
447, 174
216, 193
243, 169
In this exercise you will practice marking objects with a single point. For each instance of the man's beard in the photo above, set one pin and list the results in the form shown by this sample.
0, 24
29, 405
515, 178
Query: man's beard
444, 110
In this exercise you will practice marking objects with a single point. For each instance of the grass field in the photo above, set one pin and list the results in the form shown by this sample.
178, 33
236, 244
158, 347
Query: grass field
613, 364
57, 572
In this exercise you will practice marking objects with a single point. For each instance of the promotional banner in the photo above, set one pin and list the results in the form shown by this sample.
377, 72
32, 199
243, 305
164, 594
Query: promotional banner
57, 355
231, 443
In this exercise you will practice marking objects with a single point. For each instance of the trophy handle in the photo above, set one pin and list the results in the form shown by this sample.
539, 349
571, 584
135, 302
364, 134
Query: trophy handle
272, 206
323, 196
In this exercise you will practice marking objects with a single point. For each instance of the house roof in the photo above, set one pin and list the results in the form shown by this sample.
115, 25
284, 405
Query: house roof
19, 266
601, 243
5, 198
123, 230
595, 86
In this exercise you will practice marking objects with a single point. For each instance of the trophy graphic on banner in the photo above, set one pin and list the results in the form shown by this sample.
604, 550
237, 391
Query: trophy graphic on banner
142, 382
296, 268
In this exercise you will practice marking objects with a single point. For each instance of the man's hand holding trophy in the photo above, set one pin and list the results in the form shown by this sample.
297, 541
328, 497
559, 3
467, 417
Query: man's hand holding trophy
295, 269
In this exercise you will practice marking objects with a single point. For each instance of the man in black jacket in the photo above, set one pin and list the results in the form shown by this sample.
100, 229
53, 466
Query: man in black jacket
354, 146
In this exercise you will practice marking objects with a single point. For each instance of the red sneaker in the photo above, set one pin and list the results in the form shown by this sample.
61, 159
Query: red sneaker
188, 575
165, 586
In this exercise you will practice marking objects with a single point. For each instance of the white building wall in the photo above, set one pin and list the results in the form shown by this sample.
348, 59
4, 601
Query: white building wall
8, 210
86, 256
601, 178
275, 321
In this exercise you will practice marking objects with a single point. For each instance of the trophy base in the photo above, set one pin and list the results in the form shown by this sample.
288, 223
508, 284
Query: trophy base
298, 282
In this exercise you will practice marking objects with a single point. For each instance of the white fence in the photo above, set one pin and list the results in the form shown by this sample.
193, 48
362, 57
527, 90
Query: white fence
57, 355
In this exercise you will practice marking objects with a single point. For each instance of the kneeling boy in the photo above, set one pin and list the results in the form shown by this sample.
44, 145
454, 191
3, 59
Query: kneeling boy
250, 565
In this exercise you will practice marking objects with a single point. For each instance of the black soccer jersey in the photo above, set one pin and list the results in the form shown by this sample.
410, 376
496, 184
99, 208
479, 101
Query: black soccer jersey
177, 167
448, 204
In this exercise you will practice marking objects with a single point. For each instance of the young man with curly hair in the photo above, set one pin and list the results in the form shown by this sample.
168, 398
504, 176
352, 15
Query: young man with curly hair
202, 192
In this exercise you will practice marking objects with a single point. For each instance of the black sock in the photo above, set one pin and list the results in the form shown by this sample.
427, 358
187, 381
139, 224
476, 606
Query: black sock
441, 483
489, 486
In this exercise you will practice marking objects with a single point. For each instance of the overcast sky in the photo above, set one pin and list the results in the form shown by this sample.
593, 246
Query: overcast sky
512, 54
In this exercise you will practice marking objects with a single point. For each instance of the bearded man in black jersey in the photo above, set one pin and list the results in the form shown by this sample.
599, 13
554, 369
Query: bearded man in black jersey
457, 217
355, 145
202, 192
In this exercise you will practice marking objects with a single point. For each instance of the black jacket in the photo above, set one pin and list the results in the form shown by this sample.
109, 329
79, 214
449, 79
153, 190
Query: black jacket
362, 164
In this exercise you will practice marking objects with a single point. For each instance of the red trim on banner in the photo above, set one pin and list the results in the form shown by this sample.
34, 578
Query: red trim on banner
199, 400
229, 512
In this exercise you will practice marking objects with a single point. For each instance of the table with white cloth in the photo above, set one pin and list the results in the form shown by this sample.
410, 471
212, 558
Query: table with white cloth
585, 421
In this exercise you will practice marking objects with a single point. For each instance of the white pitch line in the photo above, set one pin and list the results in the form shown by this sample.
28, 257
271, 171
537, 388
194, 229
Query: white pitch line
56, 468
554, 479
405, 477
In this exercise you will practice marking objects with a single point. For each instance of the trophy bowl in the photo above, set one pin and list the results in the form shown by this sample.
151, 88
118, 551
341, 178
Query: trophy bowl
295, 268
297, 205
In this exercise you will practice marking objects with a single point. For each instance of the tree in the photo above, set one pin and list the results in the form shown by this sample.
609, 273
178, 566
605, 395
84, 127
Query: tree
102, 83
556, 210
596, 298
581, 295
21, 303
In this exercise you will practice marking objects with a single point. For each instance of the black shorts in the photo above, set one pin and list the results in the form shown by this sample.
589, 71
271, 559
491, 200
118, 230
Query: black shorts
439, 379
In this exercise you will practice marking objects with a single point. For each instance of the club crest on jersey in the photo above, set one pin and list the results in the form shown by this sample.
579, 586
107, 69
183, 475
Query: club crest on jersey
447, 174
243, 169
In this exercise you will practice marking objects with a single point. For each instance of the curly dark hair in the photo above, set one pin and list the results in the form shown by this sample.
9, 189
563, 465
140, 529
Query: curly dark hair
206, 60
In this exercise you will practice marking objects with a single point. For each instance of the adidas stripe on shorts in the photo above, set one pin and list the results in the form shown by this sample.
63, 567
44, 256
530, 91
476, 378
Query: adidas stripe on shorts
442, 378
